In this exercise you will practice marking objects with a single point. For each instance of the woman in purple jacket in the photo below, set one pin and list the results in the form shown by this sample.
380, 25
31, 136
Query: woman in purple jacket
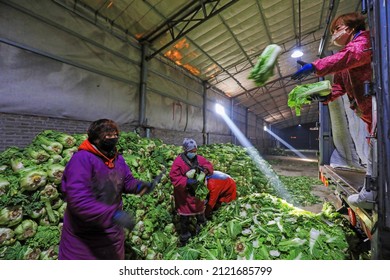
93, 182
186, 203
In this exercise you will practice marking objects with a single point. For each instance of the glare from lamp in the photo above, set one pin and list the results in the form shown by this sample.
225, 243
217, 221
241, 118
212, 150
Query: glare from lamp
265, 128
296, 54
219, 109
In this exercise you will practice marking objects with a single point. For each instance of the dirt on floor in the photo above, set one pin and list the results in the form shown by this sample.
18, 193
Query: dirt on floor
295, 166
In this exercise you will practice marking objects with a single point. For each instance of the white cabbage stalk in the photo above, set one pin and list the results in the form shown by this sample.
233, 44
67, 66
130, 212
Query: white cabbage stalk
17, 164
32, 254
191, 173
32, 180
11, 216
49, 192
4, 186
279, 224
314, 234
36, 214
38, 156
6, 237
201, 176
54, 159
54, 173
51, 146
49, 254
27, 229
66, 140
274, 253
299, 256
68, 153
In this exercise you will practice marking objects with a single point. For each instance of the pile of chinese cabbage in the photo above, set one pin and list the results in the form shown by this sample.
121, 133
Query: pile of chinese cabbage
258, 225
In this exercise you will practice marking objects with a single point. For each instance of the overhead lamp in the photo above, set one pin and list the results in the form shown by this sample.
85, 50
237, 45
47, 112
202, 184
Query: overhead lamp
298, 52
219, 109
265, 128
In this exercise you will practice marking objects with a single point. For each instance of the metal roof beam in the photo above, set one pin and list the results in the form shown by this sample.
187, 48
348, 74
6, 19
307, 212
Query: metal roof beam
188, 14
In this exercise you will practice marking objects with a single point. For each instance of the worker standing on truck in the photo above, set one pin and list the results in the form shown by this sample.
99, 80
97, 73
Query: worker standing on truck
187, 205
351, 67
222, 189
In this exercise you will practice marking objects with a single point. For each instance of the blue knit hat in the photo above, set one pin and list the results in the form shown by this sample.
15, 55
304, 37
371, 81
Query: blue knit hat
189, 144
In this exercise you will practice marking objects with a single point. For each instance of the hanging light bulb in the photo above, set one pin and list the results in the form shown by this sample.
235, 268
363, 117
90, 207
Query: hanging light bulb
298, 52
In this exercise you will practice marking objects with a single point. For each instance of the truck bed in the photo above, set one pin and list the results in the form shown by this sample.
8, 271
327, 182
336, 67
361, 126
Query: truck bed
347, 182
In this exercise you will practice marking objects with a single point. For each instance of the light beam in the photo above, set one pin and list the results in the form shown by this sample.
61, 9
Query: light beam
260, 163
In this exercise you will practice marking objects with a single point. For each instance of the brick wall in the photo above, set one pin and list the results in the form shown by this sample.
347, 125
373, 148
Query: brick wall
20, 130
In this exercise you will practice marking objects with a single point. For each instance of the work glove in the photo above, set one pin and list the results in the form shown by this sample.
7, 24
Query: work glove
317, 97
145, 188
306, 69
124, 219
191, 186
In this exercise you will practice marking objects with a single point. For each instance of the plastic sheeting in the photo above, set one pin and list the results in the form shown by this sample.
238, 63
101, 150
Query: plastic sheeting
348, 136
56, 64
35, 85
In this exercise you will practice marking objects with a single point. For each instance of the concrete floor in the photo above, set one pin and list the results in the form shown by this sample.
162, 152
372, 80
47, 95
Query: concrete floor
292, 165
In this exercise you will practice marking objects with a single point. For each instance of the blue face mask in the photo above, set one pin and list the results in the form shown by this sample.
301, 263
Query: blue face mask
191, 155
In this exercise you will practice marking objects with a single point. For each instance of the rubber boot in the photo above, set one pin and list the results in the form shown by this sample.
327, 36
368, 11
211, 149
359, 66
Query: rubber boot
200, 222
185, 234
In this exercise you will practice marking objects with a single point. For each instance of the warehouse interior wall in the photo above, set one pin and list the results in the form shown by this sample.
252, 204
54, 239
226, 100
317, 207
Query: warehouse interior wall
57, 67
301, 137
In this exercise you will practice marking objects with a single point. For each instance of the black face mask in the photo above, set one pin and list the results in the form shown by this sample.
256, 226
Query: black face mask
109, 144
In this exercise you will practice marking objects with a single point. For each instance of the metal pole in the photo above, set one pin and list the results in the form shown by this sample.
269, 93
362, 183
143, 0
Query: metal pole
380, 20
204, 132
142, 88
234, 139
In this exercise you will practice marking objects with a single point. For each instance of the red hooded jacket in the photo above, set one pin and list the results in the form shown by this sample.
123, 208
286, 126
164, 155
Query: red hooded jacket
186, 204
351, 67
222, 188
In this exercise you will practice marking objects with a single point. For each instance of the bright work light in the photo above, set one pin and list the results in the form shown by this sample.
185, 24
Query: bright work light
297, 53
219, 109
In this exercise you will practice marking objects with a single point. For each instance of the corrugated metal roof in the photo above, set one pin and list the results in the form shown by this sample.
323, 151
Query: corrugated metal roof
220, 41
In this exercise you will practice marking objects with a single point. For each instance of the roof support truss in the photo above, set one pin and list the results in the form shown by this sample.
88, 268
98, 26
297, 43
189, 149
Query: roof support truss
192, 15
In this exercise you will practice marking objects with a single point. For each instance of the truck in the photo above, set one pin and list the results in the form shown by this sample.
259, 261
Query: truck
373, 226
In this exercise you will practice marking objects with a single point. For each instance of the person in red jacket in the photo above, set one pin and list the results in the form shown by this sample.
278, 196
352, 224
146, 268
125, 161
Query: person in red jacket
351, 69
187, 205
222, 189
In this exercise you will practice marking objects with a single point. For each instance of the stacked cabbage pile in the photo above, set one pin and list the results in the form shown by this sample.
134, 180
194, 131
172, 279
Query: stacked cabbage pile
259, 225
